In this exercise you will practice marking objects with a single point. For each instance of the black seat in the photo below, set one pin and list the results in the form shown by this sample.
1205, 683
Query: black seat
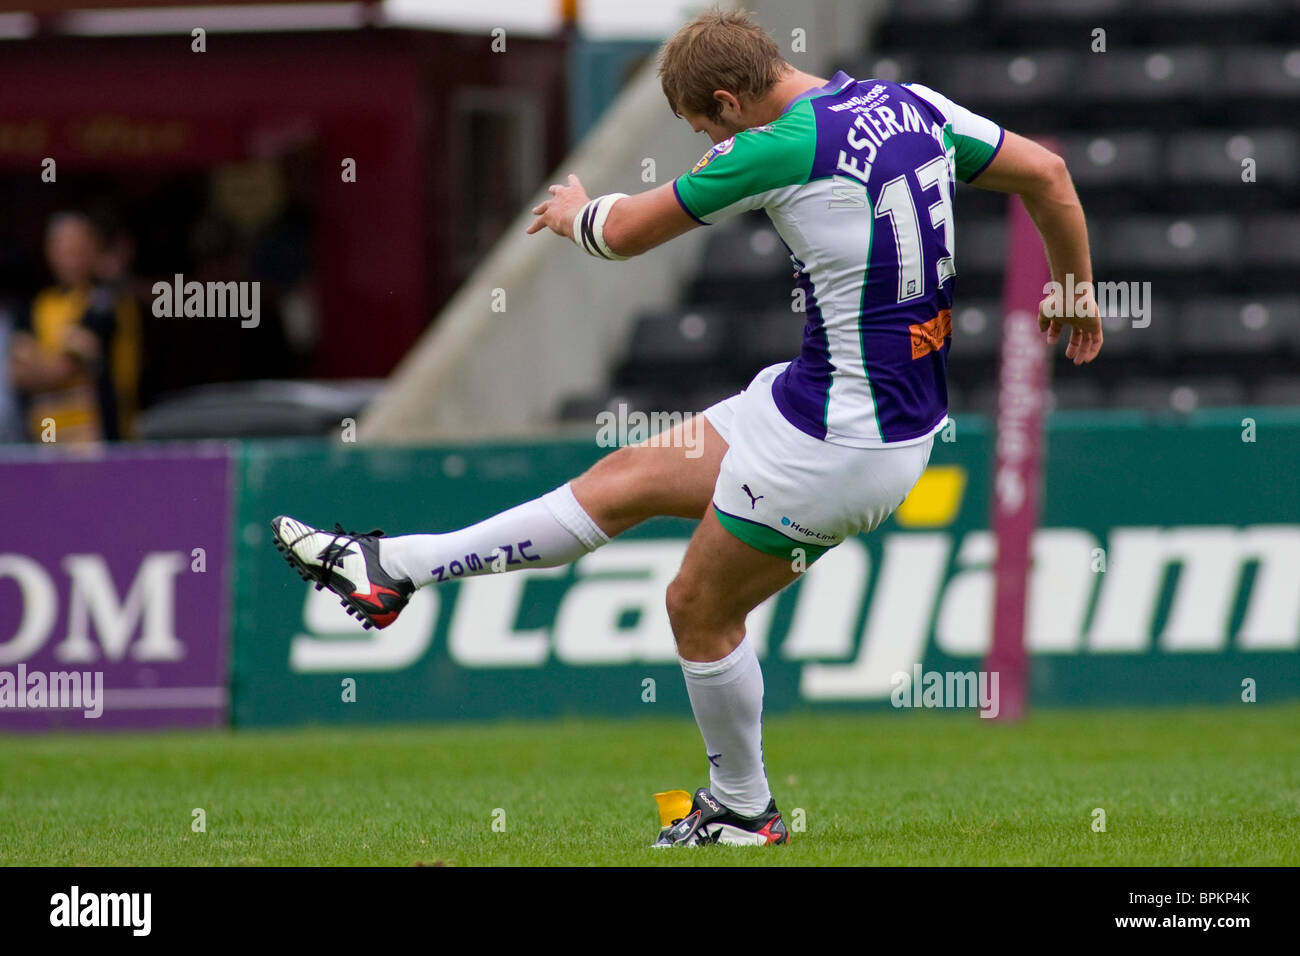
1113, 171
1273, 240
976, 329
1277, 390
1182, 397
1076, 394
1112, 158
1028, 85
745, 249
1194, 253
895, 67
1150, 89
745, 265
1203, 165
1268, 72
692, 340
1024, 22
949, 24
765, 338
1214, 157
584, 408
981, 246
1256, 327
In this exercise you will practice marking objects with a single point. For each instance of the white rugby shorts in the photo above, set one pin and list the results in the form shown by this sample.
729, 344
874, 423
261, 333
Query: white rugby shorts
788, 494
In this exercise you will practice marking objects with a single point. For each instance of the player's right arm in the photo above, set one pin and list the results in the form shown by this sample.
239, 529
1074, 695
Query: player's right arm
1039, 176
742, 172
638, 223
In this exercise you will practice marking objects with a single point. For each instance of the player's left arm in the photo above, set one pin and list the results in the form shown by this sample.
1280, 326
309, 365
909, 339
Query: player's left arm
1041, 179
635, 224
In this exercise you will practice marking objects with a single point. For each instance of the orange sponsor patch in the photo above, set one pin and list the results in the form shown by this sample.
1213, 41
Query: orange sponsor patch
928, 336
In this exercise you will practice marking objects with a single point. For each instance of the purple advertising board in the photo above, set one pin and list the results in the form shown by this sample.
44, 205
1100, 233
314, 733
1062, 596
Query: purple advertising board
113, 582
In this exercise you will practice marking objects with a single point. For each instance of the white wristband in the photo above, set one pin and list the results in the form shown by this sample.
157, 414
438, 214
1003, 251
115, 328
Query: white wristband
589, 227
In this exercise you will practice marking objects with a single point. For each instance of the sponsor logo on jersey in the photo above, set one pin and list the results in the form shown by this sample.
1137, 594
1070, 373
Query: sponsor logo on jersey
721, 149
929, 336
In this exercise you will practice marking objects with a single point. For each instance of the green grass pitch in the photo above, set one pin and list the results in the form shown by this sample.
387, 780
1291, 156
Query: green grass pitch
1178, 787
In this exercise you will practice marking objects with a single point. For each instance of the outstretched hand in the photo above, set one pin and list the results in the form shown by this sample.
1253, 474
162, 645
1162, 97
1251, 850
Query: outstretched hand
557, 212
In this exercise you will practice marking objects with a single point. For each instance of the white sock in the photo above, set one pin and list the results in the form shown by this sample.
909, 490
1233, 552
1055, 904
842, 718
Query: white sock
543, 533
727, 697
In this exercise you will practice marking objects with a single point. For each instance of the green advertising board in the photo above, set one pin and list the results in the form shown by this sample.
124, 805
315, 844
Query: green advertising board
1166, 571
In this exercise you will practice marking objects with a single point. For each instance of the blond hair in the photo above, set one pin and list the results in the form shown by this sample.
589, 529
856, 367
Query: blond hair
718, 50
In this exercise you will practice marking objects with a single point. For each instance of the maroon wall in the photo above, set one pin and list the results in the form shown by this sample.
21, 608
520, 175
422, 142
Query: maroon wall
383, 259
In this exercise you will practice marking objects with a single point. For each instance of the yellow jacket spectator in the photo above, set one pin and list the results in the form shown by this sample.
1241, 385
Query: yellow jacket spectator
76, 355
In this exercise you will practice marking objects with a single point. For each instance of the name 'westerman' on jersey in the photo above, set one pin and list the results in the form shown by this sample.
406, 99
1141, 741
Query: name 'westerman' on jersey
858, 179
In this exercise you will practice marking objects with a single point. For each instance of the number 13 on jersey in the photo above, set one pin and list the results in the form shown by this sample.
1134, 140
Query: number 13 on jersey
896, 204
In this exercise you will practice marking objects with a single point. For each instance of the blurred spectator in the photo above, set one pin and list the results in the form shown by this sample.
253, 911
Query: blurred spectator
113, 269
75, 355
11, 422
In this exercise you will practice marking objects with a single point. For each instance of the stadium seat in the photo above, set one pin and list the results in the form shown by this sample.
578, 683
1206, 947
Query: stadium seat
976, 330
1204, 164
1022, 22
1183, 396
981, 248
1273, 240
1214, 157
745, 264
1160, 88
930, 11
1277, 390
1141, 77
1112, 171
1192, 248
1182, 21
1032, 83
1076, 394
1258, 326
980, 397
1199, 9
1056, 10
956, 398
764, 338
1112, 158
745, 249
947, 24
1271, 73
713, 392
895, 67
693, 340
583, 409
1147, 344
1271, 252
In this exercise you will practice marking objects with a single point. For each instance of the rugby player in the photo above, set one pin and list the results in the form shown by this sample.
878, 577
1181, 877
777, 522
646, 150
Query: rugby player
857, 176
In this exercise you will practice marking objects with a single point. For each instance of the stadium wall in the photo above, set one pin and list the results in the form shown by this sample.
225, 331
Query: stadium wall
1147, 590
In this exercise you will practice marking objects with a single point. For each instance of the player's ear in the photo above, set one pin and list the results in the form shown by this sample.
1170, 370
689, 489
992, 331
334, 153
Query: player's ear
728, 105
